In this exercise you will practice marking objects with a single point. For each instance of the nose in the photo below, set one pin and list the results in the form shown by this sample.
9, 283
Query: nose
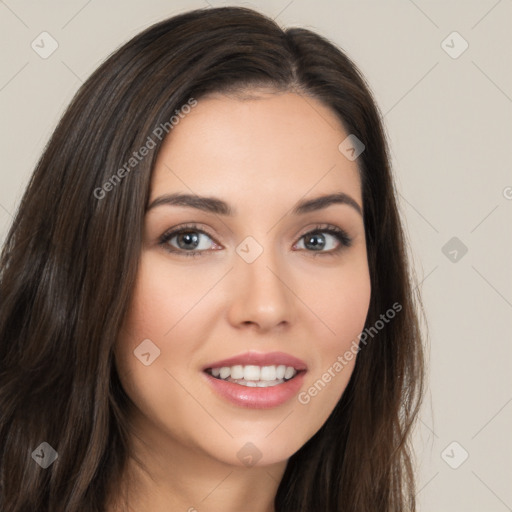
261, 295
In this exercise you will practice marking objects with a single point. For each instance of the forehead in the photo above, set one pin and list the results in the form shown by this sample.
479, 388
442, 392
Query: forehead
264, 144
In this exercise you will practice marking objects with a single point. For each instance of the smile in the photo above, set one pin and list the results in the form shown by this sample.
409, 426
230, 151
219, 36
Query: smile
254, 376
256, 380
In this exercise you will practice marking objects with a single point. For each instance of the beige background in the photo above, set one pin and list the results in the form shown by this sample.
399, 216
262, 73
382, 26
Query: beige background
450, 125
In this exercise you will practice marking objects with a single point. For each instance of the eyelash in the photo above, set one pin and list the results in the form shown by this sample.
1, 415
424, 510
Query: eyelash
339, 234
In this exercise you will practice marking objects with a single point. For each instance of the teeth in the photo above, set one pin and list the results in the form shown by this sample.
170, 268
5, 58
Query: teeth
263, 384
252, 375
257, 384
289, 373
252, 372
237, 372
280, 371
225, 372
268, 373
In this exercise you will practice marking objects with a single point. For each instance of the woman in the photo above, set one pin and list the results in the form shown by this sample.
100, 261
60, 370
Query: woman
205, 296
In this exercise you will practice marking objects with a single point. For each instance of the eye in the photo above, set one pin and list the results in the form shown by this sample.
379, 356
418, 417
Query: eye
190, 240
187, 240
325, 239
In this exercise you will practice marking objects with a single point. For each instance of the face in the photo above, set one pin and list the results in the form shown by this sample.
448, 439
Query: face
253, 283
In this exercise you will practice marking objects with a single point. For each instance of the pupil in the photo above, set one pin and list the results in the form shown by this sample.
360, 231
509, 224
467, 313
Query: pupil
311, 242
190, 238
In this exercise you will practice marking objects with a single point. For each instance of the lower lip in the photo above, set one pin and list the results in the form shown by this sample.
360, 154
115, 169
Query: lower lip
257, 398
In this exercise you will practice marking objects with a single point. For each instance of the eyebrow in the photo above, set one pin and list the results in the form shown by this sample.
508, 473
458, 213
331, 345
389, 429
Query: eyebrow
220, 207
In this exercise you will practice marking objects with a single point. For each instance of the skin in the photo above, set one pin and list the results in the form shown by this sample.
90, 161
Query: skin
261, 155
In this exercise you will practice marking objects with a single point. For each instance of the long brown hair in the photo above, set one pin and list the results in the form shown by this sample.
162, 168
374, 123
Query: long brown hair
71, 256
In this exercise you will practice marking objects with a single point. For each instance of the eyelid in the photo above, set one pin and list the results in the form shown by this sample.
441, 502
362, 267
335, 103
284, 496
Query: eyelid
325, 227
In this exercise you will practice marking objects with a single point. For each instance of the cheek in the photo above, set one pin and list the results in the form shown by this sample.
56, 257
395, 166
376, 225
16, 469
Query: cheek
342, 306
170, 307
159, 323
341, 301
165, 299
159, 303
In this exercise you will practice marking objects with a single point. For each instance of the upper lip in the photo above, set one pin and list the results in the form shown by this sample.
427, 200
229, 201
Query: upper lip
260, 359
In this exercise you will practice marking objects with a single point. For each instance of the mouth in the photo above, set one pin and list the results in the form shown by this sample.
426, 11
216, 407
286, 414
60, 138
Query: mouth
253, 375
256, 380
